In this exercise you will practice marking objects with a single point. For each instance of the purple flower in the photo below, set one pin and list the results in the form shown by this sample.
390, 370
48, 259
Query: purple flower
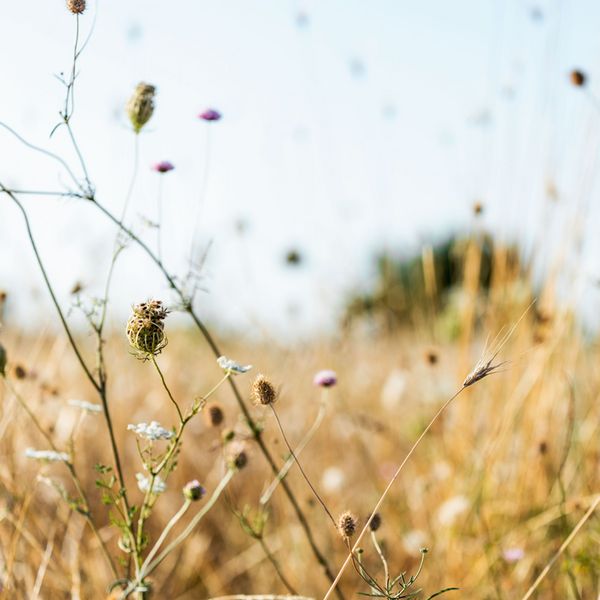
164, 166
210, 114
193, 490
512, 555
325, 378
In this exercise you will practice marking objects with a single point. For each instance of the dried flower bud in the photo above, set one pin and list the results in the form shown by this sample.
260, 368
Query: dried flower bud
146, 328
141, 105
578, 78
227, 435
2, 361
76, 6
375, 523
347, 525
193, 490
214, 415
164, 166
263, 391
237, 458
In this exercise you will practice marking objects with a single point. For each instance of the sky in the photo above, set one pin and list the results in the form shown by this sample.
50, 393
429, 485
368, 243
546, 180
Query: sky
349, 126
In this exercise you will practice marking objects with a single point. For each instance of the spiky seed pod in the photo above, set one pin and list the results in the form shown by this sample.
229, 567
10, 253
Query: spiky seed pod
141, 105
214, 415
578, 78
375, 523
347, 525
237, 458
146, 328
76, 6
2, 361
263, 391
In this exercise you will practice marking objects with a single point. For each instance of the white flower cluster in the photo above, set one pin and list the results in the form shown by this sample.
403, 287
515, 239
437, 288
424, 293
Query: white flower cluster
230, 366
151, 431
158, 487
48, 455
86, 406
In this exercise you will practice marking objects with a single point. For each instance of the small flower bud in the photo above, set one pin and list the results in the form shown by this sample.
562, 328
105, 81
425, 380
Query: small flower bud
227, 436
141, 105
263, 391
578, 78
20, 372
214, 415
76, 6
375, 523
347, 525
193, 490
325, 378
164, 166
210, 114
237, 458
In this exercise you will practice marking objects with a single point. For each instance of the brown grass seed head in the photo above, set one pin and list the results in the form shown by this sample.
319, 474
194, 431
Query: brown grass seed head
76, 6
347, 524
263, 391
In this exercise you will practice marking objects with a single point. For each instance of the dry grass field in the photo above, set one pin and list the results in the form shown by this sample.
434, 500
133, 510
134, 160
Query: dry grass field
492, 491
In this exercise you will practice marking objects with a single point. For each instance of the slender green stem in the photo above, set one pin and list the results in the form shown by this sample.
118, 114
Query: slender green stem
379, 551
164, 383
277, 567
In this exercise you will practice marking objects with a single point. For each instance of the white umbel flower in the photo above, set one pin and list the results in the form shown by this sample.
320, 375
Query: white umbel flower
230, 366
158, 487
47, 455
88, 407
151, 431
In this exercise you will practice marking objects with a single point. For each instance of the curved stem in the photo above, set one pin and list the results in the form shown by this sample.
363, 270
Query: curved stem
385, 493
164, 383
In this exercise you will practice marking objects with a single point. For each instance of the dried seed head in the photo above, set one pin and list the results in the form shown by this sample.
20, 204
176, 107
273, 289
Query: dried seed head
578, 78
141, 105
2, 361
214, 415
76, 6
347, 525
193, 490
20, 372
263, 391
237, 457
375, 523
146, 328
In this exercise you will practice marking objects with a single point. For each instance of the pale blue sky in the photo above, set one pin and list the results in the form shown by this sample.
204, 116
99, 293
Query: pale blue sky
372, 123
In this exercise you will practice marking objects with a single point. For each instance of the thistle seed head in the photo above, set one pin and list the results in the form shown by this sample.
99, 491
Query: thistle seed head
347, 523
146, 328
141, 105
76, 6
263, 391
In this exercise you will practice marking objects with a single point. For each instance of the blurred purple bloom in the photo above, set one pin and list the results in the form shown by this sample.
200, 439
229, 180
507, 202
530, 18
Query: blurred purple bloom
512, 555
325, 378
210, 114
164, 166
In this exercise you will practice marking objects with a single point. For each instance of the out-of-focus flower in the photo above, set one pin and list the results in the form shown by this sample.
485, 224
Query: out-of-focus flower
332, 479
393, 389
450, 510
151, 431
512, 555
325, 378
141, 105
158, 487
413, 541
89, 407
237, 457
578, 78
193, 490
47, 455
164, 166
230, 366
210, 114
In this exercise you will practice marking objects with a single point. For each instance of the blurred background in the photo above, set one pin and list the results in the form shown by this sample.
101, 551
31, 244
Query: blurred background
350, 130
